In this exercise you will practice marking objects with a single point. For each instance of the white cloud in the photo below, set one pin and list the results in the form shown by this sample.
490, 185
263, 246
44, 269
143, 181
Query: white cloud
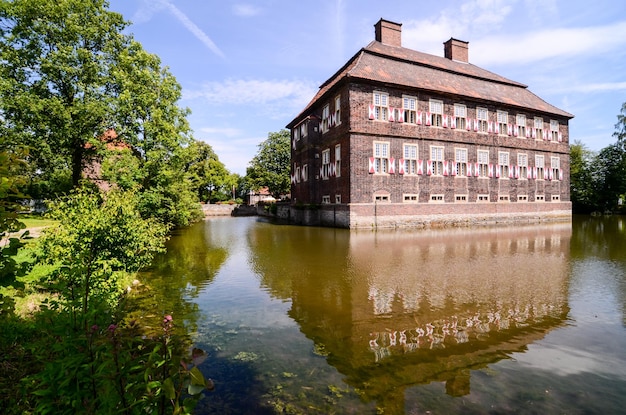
282, 93
221, 132
540, 45
245, 10
593, 87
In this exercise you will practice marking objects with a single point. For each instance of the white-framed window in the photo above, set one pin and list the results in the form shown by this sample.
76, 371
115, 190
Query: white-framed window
482, 115
522, 198
503, 122
436, 198
296, 133
460, 198
326, 164
304, 129
436, 112
483, 163
554, 130
520, 120
410, 159
460, 159
556, 198
555, 166
305, 172
381, 106
338, 160
337, 198
337, 119
409, 105
538, 124
522, 165
540, 198
460, 116
436, 158
482, 198
326, 199
381, 157
503, 198
410, 198
540, 165
503, 164
381, 198
325, 118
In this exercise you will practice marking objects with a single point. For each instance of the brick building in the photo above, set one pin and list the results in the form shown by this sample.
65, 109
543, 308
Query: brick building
400, 138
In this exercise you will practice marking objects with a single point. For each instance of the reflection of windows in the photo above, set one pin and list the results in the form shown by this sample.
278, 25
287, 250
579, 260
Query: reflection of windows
483, 163
338, 160
460, 115
555, 166
410, 159
326, 199
298, 174
409, 105
381, 157
337, 198
460, 156
325, 164
436, 113
503, 122
554, 130
325, 118
482, 115
436, 157
540, 165
503, 164
381, 104
522, 165
305, 172
521, 125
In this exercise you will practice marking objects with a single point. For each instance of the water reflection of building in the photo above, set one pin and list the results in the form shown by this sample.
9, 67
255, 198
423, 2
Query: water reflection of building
397, 309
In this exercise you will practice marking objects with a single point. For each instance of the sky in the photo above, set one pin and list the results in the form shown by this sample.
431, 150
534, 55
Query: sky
247, 68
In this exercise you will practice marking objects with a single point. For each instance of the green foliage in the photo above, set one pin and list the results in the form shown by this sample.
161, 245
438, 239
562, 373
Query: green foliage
211, 180
581, 175
270, 166
620, 127
56, 89
100, 239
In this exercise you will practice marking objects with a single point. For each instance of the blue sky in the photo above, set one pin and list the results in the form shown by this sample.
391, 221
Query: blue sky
247, 68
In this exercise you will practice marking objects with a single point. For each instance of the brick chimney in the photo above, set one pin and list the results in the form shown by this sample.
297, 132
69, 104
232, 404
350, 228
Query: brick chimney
389, 33
456, 50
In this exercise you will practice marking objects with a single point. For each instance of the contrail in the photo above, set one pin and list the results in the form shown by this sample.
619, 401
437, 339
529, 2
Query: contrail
193, 28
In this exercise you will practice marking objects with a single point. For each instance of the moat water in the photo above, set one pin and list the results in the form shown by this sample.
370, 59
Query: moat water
527, 319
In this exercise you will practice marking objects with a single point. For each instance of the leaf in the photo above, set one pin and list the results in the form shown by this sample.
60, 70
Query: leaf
197, 378
198, 356
168, 388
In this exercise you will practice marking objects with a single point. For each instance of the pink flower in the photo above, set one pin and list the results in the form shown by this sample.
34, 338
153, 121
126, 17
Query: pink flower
94, 328
112, 328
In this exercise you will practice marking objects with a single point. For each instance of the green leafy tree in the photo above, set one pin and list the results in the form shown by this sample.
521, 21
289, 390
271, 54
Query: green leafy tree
620, 127
211, 179
270, 166
100, 240
55, 83
582, 178
610, 176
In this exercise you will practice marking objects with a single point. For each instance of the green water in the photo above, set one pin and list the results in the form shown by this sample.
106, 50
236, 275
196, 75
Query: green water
528, 319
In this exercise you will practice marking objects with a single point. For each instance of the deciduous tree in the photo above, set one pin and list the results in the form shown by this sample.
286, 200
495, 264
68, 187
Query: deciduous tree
270, 166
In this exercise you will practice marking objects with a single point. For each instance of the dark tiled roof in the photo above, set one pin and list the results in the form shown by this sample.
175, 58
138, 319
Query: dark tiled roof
382, 63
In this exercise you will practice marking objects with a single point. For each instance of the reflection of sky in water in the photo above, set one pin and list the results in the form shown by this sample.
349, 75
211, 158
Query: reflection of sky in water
594, 342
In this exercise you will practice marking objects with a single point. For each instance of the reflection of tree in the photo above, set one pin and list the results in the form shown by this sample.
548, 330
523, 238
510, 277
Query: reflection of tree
192, 260
603, 238
395, 309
